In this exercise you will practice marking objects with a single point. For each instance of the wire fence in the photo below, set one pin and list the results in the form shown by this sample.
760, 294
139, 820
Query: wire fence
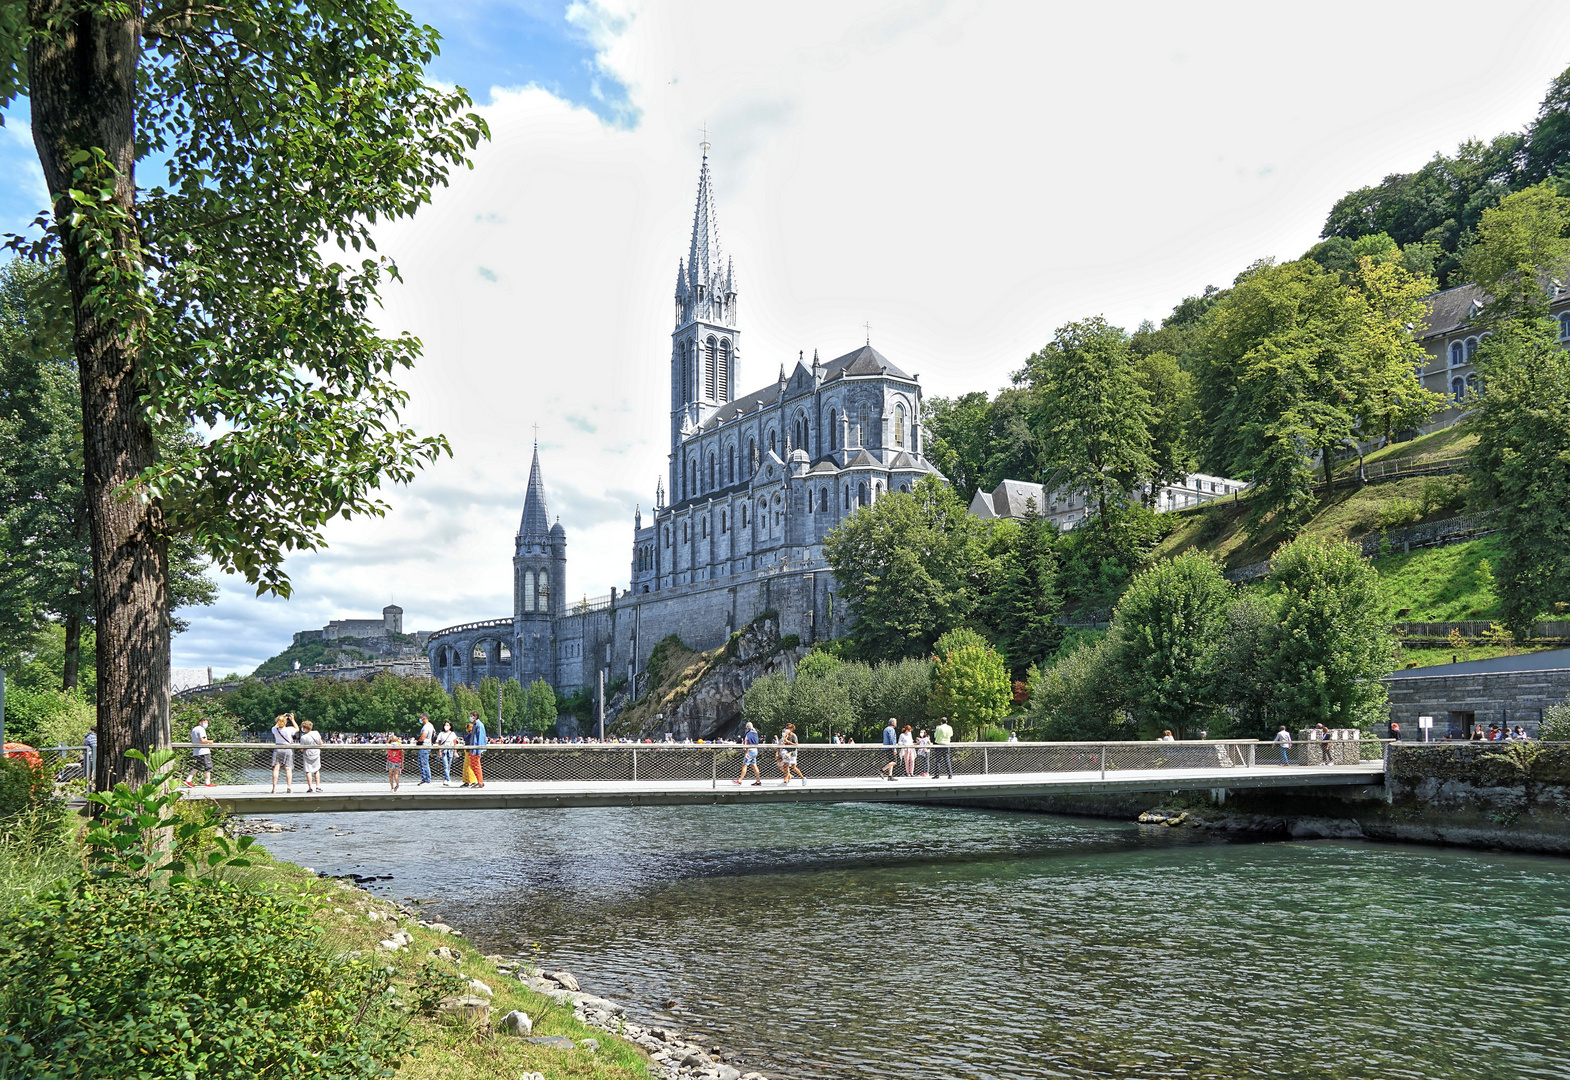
716, 763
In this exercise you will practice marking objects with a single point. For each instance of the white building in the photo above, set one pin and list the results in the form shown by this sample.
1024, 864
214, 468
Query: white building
1068, 509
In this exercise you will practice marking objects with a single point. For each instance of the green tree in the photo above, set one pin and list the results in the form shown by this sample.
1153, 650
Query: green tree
1021, 601
1388, 395
1092, 413
541, 711
1174, 418
1247, 699
970, 685
1520, 247
978, 444
1079, 697
1165, 627
909, 566
1522, 467
284, 130
1329, 644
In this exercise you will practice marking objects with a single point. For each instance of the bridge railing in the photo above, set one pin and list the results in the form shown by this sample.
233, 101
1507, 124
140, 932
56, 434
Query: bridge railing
717, 763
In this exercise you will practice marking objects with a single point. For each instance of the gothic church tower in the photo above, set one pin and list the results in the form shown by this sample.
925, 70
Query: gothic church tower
703, 345
539, 566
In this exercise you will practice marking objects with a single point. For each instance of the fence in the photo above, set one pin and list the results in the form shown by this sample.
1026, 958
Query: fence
716, 763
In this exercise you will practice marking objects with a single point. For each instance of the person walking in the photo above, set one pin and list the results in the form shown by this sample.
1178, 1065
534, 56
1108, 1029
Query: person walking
890, 738
90, 757
468, 756
311, 758
788, 744
283, 732
201, 757
394, 762
907, 753
1322, 736
447, 740
750, 758
476, 748
426, 738
924, 753
1283, 741
943, 736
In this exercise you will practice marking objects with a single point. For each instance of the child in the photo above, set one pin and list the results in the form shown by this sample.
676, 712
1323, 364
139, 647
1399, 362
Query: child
394, 762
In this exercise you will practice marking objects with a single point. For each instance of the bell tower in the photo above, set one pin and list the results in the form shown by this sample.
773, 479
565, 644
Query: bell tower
539, 565
703, 345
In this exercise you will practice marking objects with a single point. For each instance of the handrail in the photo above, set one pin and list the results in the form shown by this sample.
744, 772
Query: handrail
484, 624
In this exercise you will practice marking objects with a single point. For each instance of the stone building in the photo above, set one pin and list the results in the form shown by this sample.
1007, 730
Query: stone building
755, 482
1451, 339
391, 622
1067, 509
1504, 690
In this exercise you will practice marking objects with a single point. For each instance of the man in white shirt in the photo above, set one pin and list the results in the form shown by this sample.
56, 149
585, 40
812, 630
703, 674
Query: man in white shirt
202, 758
942, 736
427, 736
1283, 740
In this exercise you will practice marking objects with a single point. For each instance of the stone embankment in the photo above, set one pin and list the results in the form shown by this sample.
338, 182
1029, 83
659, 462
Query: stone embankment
673, 1055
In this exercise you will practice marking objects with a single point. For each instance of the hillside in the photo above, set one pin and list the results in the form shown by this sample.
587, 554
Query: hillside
349, 649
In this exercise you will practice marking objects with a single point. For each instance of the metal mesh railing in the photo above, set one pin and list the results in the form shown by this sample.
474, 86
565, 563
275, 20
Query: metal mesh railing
716, 763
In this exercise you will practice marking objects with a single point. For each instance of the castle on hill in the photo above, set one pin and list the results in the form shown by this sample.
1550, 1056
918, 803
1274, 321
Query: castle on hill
755, 483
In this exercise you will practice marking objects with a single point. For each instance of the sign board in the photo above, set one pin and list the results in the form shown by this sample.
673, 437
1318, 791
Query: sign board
1425, 721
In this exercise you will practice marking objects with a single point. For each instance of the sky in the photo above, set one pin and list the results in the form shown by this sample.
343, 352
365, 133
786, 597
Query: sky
965, 176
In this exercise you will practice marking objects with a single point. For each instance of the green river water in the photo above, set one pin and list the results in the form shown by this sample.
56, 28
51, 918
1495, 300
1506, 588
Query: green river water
898, 941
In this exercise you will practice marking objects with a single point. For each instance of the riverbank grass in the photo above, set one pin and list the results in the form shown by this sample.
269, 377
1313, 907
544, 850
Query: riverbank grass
450, 1048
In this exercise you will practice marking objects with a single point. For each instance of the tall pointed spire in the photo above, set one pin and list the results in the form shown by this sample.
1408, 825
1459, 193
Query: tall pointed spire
705, 266
536, 520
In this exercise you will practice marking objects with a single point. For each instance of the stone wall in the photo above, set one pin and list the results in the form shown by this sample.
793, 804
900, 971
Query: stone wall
1455, 701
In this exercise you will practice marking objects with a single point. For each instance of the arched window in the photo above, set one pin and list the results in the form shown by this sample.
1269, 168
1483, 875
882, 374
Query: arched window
778, 514
528, 591
763, 513
823, 499
730, 466
1564, 327
861, 494
1471, 348
847, 496
692, 478
744, 515
705, 528
752, 456
863, 427
722, 374
543, 598
1457, 354
724, 523
905, 488
686, 373
1473, 387
503, 652
773, 444
667, 536
1458, 388
899, 426
685, 535
708, 368
441, 657
834, 430
712, 483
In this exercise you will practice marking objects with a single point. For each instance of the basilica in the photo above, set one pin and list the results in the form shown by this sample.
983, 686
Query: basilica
755, 483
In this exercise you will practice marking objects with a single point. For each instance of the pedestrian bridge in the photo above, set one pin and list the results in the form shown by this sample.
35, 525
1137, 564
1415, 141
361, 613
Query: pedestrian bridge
354, 777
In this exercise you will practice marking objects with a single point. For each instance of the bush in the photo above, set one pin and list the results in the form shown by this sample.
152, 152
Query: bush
120, 978
1556, 723
30, 811
47, 717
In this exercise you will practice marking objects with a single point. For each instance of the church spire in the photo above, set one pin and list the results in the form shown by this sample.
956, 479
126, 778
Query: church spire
536, 520
706, 278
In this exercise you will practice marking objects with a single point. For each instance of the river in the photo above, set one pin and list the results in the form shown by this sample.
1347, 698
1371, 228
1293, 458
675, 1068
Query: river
915, 942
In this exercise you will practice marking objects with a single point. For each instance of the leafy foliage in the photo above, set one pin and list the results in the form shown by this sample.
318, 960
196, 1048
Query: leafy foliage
1021, 599
385, 703
1165, 628
199, 979
970, 685
1079, 699
830, 696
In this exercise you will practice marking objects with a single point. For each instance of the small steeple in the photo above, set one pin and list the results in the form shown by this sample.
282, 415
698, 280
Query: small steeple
536, 519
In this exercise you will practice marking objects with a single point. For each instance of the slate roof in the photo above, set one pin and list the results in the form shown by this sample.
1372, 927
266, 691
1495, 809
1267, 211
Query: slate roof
1450, 309
1552, 660
536, 520
863, 361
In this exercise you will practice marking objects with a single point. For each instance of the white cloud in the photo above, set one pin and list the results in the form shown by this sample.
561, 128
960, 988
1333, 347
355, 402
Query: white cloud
966, 176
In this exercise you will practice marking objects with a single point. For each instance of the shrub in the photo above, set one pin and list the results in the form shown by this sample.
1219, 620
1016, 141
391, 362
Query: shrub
1556, 723
970, 685
117, 978
30, 811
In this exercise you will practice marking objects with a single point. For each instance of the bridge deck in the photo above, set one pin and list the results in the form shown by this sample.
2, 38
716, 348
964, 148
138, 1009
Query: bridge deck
512, 794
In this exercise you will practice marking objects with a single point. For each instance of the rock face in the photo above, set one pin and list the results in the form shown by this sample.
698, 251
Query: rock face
712, 707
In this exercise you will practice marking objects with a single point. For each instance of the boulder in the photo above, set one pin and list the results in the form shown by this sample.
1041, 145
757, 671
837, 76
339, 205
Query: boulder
494, 958
565, 978
695, 1059
556, 1042
440, 927
605, 1005
465, 1005
479, 988
729, 1072
390, 945
591, 1045
516, 1023
452, 956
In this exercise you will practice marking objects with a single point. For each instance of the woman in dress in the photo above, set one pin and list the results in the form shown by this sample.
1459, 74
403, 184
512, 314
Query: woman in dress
907, 752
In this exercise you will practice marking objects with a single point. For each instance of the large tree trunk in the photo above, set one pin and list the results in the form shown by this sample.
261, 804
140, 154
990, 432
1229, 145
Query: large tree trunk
73, 652
82, 77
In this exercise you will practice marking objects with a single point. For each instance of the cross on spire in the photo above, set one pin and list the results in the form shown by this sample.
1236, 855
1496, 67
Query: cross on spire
868, 327
536, 435
704, 144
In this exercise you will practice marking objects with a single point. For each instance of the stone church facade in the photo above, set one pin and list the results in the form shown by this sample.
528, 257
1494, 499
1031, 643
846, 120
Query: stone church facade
755, 482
